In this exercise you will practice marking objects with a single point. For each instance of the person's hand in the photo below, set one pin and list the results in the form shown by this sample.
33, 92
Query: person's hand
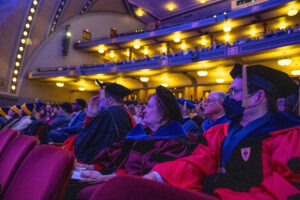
93, 106
95, 177
81, 167
150, 176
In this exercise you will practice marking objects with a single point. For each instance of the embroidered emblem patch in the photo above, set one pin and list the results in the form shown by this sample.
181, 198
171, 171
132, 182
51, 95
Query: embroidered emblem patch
245, 152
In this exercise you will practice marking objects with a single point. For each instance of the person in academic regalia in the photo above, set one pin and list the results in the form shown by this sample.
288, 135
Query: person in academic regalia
108, 122
3, 115
26, 119
163, 140
12, 116
256, 156
213, 110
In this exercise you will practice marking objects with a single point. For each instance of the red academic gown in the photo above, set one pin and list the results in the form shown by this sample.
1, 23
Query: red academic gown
275, 172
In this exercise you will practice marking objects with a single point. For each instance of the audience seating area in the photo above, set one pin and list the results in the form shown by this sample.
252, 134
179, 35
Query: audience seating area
31, 172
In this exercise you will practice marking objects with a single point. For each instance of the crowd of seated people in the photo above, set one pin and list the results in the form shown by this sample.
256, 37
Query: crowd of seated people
110, 138
189, 52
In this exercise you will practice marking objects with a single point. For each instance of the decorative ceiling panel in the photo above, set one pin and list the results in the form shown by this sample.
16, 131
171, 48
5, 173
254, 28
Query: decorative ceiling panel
158, 8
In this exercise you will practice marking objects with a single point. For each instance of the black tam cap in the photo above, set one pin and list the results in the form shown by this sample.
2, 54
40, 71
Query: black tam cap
115, 89
273, 81
170, 102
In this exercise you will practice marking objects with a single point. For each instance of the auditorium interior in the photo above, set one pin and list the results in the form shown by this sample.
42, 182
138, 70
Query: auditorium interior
55, 50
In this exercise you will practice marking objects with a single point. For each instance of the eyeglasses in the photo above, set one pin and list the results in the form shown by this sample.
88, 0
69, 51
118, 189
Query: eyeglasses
232, 91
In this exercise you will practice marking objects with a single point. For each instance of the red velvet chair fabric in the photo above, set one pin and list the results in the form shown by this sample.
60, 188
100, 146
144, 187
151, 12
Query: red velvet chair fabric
5, 137
137, 188
12, 157
43, 175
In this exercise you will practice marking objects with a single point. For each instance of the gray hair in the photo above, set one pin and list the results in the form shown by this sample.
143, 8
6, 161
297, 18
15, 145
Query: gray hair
219, 95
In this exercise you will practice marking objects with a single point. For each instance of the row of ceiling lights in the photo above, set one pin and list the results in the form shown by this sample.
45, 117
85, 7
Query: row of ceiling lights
24, 40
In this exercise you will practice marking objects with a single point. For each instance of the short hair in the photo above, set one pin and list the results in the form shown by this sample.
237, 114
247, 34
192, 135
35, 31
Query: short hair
220, 96
67, 107
118, 99
271, 99
81, 102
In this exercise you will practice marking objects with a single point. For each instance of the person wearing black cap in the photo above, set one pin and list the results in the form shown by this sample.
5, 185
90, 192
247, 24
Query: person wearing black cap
166, 141
109, 121
256, 156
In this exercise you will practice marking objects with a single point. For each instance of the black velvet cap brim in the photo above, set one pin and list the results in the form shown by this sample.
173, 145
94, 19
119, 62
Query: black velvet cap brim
276, 82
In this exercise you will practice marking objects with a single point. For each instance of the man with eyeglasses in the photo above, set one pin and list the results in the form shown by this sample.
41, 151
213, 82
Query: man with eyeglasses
213, 110
256, 156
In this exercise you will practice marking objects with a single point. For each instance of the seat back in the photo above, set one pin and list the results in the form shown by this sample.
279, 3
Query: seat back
12, 157
43, 174
5, 137
38, 128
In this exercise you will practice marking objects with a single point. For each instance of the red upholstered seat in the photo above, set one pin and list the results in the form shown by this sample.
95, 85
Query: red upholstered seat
12, 157
43, 174
5, 137
137, 188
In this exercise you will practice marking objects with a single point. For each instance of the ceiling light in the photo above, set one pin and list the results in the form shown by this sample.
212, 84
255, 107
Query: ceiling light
60, 84
137, 44
164, 84
202, 73
202, 1
227, 27
282, 26
139, 12
220, 80
32, 10
112, 55
19, 56
101, 49
203, 42
14, 79
144, 79
128, 53
164, 49
227, 38
183, 46
13, 87
27, 25
21, 48
146, 51
171, 6
253, 33
68, 34
17, 64
81, 89
35, 2
29, 18
23, 41
25, 33
292, 12
16, 71
296, 72
284, 62
177, 39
